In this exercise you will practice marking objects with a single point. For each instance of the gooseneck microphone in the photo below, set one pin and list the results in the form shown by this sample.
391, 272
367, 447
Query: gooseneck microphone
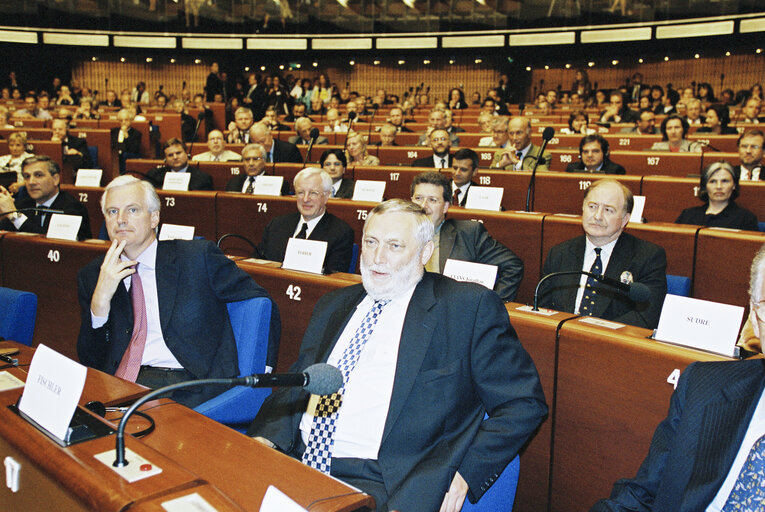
34, 210
317, 379
200, 117
636, 292
314, 135
351, 117
704, 147
546, 136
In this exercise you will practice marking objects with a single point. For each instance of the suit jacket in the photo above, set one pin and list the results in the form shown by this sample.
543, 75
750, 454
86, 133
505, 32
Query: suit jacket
286, 152
647, 263
609, 167
468, 240
345, 191
528, 160
295, 139
428, 161
334, 231
685, 145
463, 199
236, 184
131, 144
747, 176
693, 449
63, 201
449, 372
80, 145
199, 180
194, 283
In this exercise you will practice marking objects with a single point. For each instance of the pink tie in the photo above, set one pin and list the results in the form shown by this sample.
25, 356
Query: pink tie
131, 361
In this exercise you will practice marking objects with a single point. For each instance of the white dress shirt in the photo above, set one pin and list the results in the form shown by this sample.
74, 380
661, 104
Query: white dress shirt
311, 225
589, 259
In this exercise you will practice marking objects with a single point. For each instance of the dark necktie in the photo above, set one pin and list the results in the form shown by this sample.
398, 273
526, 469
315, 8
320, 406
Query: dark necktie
590, 292
748, 491
303, 231
131, 360
250, 183
443, 163
40, 215
456, 197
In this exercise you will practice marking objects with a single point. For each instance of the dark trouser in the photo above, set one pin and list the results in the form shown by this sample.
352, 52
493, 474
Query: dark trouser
156, 378
363, 474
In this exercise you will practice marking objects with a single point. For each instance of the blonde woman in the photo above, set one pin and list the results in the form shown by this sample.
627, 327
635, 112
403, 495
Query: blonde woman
17, 143
357, 151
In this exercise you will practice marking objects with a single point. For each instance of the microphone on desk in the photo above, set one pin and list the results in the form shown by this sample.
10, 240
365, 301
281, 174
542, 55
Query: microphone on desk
200, 117
351, 117
314, 135
547, 134
317, 379
636, 292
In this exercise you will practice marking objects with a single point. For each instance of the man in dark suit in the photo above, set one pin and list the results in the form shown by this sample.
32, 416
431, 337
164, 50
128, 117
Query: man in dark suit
410, 428
396, 118
593, 157
520, 154
172, 325
42, 178
255, 98
74, 149
699, 455
125, 139
440, 144
276, 150
464, 168
303, 127
254, 159
312, 221
177, 160
617, 111
605, 249
464, 240
750, 153
645, 124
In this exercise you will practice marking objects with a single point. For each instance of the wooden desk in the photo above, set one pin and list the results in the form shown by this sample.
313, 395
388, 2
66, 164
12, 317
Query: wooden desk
611, 393
195, 208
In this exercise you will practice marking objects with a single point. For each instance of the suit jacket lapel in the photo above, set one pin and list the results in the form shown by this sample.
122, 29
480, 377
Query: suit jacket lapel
616, 265
320, 231
338, 320
445, 243
166, 273
575, 258
415, 340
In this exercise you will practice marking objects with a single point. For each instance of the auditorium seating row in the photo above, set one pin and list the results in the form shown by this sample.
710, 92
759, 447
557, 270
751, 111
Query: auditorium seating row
607, 388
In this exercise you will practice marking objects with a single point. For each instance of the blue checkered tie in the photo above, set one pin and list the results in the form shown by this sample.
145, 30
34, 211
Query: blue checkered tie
318, 451
590, 292
749, 490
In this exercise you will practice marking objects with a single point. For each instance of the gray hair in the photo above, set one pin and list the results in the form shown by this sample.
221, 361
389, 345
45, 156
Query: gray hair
309, 172
150, 196
757, 275
253, 145
425, 230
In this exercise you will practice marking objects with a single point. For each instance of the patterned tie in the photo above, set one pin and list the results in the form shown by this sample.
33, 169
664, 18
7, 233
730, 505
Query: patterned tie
318, 451
590, 293
749, 490
303, 232
131, 360
250, 182
456, 197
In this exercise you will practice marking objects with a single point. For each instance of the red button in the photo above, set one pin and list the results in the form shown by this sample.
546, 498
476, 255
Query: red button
145, 467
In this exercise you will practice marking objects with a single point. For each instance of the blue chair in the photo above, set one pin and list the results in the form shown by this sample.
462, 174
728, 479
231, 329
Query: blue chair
501, 495
237, 407
17, 315
678, 285
761, 226
354, 258
93, 151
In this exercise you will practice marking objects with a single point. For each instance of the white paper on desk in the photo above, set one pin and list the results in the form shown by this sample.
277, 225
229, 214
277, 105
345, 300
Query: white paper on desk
368, 190
191, 502
484, 198
637, 209
8, 381
268, 186
88, 178
700, 324
64, 227
471, 272
275, 500
176, 232
176, 181
54, 386
305, 255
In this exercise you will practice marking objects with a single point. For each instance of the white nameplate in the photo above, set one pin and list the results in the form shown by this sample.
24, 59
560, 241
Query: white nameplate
484, 198
88, 178
54, 386
64, 227
700, 324
275, 500
592, 320
176, 232
9, 381
190, 502
268, 186
176, 181
470, 272
637, 209
305, 255
368, 190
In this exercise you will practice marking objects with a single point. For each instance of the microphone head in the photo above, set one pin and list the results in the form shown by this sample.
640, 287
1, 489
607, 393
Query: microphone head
351, 115
521, 106
548, 133
314, 133
639, 292
201, 116
323, 379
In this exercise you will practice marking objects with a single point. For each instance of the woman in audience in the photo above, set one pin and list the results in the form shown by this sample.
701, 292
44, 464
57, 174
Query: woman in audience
657, 93
17, 143
706, 94
457, 99
85, 110
717, 119
581, 84
333, 161
357, 150
674, 129
601, 99
578, 123
718, 189
485, 123
755, 92
322, 89
302, 92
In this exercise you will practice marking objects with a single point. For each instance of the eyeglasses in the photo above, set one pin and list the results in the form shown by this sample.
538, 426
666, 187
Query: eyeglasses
431, 200
755, 147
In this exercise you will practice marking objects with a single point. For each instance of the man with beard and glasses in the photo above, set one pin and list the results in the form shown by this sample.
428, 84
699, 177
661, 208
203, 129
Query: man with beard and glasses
408, 425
